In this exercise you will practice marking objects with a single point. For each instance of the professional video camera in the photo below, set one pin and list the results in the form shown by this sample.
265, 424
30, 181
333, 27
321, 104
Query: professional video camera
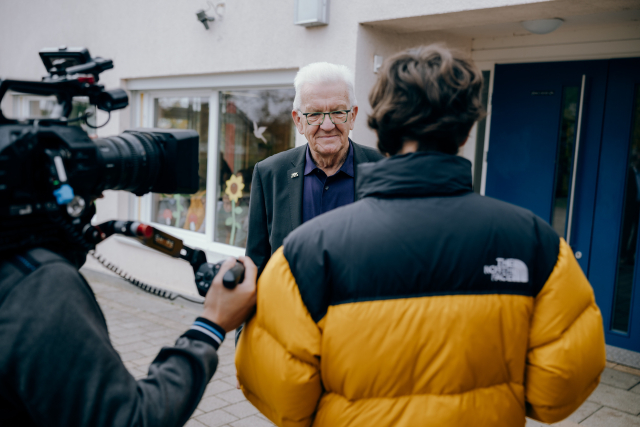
51, 172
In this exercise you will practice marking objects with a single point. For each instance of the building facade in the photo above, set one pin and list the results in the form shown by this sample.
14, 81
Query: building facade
562, 135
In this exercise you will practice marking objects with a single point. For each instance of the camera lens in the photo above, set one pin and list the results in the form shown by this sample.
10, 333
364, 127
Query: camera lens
145, 160
131, 162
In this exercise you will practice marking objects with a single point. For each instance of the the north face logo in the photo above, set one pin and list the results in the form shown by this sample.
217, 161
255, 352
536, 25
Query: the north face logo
508, 270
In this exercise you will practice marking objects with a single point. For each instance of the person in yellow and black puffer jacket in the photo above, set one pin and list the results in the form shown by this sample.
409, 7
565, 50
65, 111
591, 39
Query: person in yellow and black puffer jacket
422, 304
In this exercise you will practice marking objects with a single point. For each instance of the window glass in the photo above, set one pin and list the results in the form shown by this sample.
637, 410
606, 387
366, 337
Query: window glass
629, 237
186, 211
564, 162
254, 124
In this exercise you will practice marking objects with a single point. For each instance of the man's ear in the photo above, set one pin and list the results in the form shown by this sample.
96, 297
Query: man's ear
354, 113
297, 120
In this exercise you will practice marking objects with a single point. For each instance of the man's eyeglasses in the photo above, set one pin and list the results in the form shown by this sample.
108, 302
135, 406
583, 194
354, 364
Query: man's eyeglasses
336, 117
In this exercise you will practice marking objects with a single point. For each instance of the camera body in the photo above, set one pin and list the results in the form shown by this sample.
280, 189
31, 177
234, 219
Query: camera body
51, 171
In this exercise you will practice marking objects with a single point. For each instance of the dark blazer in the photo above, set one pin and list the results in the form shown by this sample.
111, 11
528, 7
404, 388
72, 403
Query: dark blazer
275, 207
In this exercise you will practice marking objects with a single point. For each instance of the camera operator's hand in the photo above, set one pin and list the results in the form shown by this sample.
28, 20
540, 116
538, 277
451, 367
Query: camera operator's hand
229, 308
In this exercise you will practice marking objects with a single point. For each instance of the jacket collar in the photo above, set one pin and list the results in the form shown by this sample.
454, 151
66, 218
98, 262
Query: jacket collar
417, 174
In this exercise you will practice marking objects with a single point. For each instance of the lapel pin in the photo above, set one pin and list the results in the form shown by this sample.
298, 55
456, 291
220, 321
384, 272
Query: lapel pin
295, 174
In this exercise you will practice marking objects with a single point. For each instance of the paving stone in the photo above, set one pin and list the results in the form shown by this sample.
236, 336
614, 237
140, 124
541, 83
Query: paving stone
618, 379
227, 369
232, 396
217, 386
194, 423
607, 417
211, 403
636, 389
227, 351
231, 380
226, 361
159, 333
139, 372
242, 409
162, 341
150, 351
565, 423
628, 370
263, 417
146, 360
137, 332
124, 340
216, 418
130, 356
129, 365
616, 398
134, 324
253, 421
114, 328
134, 346
584, 411
220, 375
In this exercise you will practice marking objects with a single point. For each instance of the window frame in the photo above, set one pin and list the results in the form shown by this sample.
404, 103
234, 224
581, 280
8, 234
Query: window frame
143, 116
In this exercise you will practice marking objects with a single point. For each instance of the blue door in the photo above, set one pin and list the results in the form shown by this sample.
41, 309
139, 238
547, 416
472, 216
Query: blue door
614, 267
562, 144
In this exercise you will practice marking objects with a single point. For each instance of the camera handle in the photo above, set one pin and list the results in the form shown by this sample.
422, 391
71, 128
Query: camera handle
65, 90
169, 245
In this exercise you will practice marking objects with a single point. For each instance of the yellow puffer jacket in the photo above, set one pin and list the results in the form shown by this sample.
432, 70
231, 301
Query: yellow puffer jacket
347, 334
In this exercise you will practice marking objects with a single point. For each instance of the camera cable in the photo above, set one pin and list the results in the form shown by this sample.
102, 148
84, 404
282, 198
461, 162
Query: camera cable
141, 285
76, 236
89, 114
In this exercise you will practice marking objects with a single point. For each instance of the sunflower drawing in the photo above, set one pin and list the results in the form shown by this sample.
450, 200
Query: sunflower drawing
234, 188
234, 191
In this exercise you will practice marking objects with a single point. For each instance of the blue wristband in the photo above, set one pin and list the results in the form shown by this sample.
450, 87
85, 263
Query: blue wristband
207, 331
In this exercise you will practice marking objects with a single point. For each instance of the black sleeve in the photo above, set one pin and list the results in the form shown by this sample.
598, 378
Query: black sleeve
59, 365
258, 246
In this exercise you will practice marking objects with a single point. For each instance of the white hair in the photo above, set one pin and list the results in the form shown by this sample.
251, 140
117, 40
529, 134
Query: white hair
324, 72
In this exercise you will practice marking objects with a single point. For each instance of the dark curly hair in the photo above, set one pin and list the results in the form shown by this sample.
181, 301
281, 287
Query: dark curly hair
428, 94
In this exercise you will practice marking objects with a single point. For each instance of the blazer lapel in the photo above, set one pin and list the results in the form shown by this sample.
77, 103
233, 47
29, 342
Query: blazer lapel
295, 178
359, 156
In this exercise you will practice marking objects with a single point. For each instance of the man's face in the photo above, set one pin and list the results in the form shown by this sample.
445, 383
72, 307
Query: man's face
326, 139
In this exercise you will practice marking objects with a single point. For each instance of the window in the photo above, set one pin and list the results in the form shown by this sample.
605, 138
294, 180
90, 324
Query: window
185, 211
237, 129
254, 125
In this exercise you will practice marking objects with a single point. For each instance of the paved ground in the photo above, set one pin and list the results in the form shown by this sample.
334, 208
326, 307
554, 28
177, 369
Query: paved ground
140, 324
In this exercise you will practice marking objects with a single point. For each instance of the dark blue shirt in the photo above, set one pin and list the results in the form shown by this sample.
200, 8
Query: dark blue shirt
322, 193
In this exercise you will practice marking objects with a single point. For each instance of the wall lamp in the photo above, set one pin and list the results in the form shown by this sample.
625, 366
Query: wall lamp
311, 13
542, 26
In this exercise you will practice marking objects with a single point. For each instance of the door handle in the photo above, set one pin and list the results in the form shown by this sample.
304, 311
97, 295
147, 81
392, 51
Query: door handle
576, 153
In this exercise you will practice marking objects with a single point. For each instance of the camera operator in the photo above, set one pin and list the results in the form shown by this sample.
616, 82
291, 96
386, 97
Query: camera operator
57, 364
59, 368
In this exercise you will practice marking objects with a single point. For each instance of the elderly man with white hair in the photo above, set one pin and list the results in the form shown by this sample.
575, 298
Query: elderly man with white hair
297, 185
